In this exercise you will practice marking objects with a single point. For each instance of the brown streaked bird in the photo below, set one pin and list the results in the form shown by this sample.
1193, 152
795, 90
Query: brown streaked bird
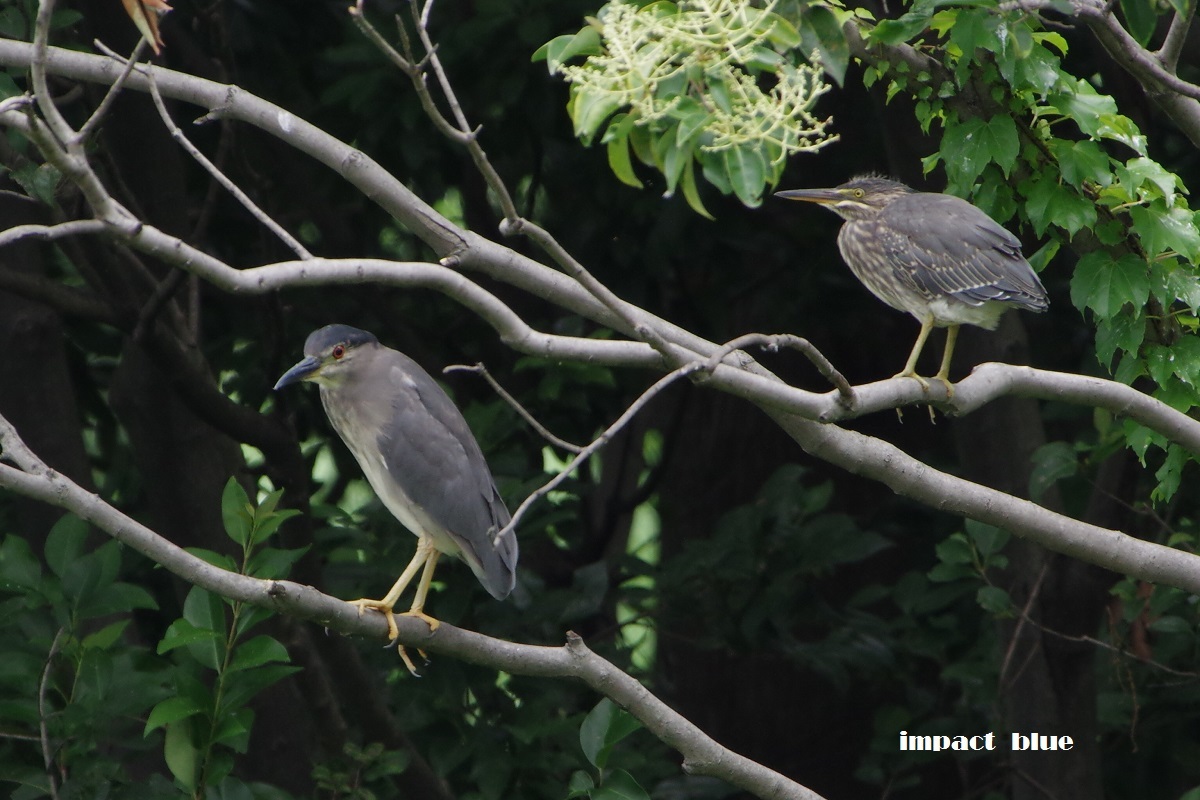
935, 256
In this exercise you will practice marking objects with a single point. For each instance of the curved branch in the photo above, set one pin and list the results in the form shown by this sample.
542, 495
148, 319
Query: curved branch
701, 754
795, 410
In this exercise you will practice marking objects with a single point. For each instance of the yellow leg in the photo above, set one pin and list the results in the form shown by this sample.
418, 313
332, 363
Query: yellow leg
425, 557
943, 374
418, 605
910, 369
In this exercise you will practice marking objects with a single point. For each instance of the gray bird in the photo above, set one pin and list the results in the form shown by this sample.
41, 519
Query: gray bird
418, 455
935, 256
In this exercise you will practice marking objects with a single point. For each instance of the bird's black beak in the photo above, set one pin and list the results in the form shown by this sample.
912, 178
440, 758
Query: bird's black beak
822, 196
300, 372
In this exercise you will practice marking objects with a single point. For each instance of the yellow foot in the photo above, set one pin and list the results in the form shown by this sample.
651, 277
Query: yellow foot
382, 608
945, 379
924, 383
403, 651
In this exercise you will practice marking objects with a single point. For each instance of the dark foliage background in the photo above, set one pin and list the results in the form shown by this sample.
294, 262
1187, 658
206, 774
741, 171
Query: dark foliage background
799, 615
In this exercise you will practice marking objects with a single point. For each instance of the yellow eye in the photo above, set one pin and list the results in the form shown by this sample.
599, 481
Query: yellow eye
858, 192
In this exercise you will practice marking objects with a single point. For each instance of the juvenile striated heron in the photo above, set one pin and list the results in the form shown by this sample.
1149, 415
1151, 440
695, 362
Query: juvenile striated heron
935, 256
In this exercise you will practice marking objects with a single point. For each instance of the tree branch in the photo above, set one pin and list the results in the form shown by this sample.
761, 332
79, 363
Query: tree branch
797, 411
702, 755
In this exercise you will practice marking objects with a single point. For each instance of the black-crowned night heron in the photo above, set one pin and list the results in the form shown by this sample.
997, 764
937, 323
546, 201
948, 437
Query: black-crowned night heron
418, 455
935, 256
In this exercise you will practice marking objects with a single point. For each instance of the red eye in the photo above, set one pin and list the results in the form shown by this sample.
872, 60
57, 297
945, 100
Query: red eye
339, 350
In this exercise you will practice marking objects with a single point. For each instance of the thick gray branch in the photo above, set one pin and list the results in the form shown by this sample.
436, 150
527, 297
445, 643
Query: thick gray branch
701, 754
795, 410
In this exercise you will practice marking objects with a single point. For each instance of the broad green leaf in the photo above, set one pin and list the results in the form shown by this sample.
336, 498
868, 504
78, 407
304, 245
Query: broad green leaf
64, 544
181, 632
206, 611
589, 110
180, 754
563, 48
579, 785
1140, 19
988, 539
104, 638
746, 172
1105, 285
245, 685
1123, 332
1051, 462
1162, 230
619, 785
605, 726
236, 511
1081, 161
994, 600
173, 709
821, 31
19, 567
955, 550
258, 651
691, 192
1049, 202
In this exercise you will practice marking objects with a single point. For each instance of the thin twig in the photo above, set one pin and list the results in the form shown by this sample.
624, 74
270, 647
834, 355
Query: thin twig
231, 187
1024, 619
600, 440
480, 369
1176, 37
111, 95
771, 342
636, 322
41, 42
47, 752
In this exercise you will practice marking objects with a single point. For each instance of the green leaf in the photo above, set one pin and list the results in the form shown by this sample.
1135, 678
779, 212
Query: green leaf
180, 754
620, 162
619, 785
746, 172
236, 512
580, 785
64, 544
181, 632
993, 599
1161, 230
563, 48
1105, 285
1051, 462
19, 567
603, 727
955, 550
1140, 19
1124, 332
206, 611
691, 192
1081, 161
1049, 202
820, 30
589, 110
258, 651
988, 539
104, 638
173, 709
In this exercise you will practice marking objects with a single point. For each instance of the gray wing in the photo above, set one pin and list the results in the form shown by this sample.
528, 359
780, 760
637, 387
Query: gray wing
437, 461
942, 245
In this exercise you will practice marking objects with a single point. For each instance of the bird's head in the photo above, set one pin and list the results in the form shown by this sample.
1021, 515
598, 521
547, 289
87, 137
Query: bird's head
860, 198
329, 355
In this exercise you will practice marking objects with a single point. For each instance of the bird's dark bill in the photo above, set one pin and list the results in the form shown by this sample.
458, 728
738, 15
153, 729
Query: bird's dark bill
824, 196
299, 372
